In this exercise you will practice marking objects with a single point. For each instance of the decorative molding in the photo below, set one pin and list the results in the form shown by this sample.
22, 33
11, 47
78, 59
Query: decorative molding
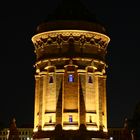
58, 38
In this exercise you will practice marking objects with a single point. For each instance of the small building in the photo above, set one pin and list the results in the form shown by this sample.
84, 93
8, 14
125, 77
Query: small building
13, 133
24, 133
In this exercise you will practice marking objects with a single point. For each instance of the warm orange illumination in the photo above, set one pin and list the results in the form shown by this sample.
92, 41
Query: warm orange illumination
70, 102
35, 129
48, 128
68, 33
92, 128
70, 127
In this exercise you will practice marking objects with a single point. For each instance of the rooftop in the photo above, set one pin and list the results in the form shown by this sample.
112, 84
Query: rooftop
71, 15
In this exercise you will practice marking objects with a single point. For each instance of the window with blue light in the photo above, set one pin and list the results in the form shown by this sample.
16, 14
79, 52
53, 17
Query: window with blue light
70, 78
70, 118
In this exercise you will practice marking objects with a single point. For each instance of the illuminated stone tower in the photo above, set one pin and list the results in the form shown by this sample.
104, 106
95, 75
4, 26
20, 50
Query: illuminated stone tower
70, 90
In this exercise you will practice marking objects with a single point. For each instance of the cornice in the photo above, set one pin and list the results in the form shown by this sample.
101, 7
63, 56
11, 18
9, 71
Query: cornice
61, 37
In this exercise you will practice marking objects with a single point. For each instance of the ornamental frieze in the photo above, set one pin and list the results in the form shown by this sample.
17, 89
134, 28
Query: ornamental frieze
79, 38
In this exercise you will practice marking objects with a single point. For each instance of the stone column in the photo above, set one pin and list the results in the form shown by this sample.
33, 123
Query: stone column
49, 94
102, 103
70, 107
44, 78
40, 99
36, 107
105, 105
97, 100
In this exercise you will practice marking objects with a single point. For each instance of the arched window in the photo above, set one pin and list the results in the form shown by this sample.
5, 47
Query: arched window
90, 119
70, 118
50, 119
51, 79
90, 79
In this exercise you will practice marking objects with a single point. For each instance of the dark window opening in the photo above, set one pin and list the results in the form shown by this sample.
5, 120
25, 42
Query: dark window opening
51, 79
90, 119
50, 120
90, 79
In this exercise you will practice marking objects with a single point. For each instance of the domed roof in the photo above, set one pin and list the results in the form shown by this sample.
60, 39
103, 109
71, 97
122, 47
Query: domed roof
71, 14
72, 10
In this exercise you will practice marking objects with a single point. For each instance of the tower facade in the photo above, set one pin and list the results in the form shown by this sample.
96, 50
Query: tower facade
70, 89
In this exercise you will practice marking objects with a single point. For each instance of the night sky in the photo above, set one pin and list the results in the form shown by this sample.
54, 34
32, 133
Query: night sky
18, 22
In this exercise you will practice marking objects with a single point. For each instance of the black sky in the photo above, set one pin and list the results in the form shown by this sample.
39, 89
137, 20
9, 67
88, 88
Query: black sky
18, 22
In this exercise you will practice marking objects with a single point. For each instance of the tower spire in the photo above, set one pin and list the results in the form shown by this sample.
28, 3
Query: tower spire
13, 134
